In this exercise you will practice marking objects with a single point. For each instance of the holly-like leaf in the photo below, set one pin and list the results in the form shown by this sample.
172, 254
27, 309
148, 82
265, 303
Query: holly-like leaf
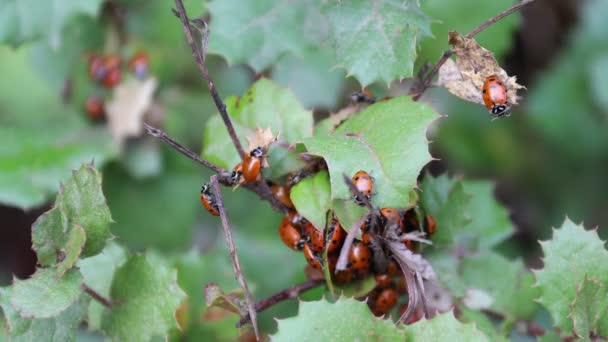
264, 105
147, 295
97, 272
387, 140
571, 255
345, 320
45, 295
376, 40
443, 327
56, 329
312, 198
589, 311
22, 21
259, 32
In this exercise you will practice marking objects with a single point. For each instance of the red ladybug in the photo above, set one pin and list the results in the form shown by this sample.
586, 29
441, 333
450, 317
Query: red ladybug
386, 301
208, 200
335, 236
494, 95
139, 64
360, 257
97, 70
94, 107
383, 281
282, 194
311, 258
316, 241
365, 184
290, 235
112, 78
252, 165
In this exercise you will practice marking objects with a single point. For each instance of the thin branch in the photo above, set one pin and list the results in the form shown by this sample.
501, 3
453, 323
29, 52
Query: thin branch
417, 90
288, 293
236, 266
157, 133
200, 61
97, 297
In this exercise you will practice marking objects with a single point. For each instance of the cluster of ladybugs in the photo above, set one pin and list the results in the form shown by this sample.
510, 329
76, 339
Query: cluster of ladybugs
106, 71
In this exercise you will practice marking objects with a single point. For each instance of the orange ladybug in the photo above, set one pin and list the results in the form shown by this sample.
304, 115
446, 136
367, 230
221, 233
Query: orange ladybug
237, 174
252, 165
317, 242
365, 184
335, 236
430, 225
494, 95
94, 107
383, 281
386, 301
290, 235
311, 258
282, 194
208, 200
360, 258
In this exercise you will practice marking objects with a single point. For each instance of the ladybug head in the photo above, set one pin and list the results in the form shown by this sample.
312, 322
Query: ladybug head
257, 152
500, 109
205, 188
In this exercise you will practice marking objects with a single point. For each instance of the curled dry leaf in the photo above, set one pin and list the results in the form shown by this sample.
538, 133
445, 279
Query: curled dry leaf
438, 299
465, 76
261, 138
125, 110
233, 301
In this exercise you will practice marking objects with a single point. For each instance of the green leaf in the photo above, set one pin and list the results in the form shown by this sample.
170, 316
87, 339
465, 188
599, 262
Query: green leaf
97, 273
573, 254
443, 327
589, 311
446, 200
311, 197
73, 248
49, 235
264, 105
388, 141
57, 329
345, 320
311, 77
148, 295
259, 32
45, 295
481, 321
376, 41
25, 20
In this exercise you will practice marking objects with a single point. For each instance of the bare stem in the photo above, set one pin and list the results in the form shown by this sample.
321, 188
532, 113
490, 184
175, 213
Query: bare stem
236, 266
288, 293
200, 61
97, 297
417, 90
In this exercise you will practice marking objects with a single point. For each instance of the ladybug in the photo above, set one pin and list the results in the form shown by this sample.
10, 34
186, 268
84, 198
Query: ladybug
112, 78
400, 284
383, 281
386, 301
360, 257
364, 184
112, 62
316, 241
430, 225
335, 236
311, 258
494, 95
252, 165
391, 216
340, 277
297, 220
94, 107
366, 230
208, 200
290, 235
97, 70
282, 194
237, 174
363, 96
139, 64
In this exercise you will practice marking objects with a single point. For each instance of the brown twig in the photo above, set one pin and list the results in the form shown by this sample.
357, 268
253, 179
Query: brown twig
417, 90
200, 61
97, 297
288, 293
236, 266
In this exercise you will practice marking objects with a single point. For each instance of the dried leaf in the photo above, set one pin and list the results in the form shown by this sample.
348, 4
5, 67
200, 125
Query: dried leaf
125, 110
233, 301
261, 138
465, 76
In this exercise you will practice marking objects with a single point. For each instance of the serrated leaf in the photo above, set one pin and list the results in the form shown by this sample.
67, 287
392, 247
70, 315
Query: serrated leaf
387, 140
571, 255
589, 311
312, 198
148, 296
57, 329
49, 234
376, 41
259, 32
45, 295
25, 20
74, 245
97, 272
345, 320
446, 200
443, 327
264, 105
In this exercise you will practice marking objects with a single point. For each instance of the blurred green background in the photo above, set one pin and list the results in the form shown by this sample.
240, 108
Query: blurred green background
549, 158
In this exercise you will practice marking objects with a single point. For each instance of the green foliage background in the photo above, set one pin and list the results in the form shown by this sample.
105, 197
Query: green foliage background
548, 157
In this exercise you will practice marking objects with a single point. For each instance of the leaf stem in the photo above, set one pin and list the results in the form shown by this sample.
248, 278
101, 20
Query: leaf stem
236, 266
97, 297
